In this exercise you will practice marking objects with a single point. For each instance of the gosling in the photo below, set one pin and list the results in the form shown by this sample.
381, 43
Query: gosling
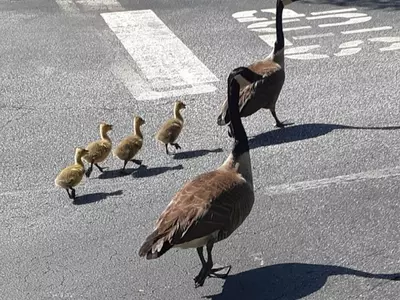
99, 150
130, 145
170, 130
72, 175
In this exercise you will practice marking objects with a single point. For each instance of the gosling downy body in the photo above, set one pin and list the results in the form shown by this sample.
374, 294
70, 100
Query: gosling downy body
212, 206
262, 88
99, 150
130, 145
170, 130
72, 175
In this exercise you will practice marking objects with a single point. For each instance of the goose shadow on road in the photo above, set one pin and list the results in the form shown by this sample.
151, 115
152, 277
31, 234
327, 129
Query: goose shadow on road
195, 153
302, 132
95, 197
145, 171
288, 281
371, 4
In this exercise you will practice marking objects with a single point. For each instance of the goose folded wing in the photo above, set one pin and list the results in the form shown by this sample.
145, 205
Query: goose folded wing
201, 208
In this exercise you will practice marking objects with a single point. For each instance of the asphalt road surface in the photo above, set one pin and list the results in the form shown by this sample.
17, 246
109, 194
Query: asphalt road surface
325, 224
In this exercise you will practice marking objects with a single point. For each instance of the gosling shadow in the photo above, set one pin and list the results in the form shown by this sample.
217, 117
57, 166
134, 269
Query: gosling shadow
302, 132
370, 4
288, 281
195, 153
143, 171
117, 173
95, 197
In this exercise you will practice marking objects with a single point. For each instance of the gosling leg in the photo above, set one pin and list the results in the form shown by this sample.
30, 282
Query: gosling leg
69, 195
89, 170
166, 149
176, 145
230, 130
73, 193
100, 168
137, 161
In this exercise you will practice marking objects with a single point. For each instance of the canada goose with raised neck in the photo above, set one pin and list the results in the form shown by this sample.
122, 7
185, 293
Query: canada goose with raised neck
170, 130
99, 150
262, 88
210, 207
72, 175
130, 145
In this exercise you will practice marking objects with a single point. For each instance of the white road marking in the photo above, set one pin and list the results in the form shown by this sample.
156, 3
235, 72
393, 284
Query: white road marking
312, 36
367, 30
285, 29
307, 56
271, 190
350, 44
251, 19
68, 6
335, 11
392, 47
111, 5
326, 182
348, 51
244, 14
271, 38
301, 49
385, 39
344, 15
269, 23
167, 66
286, 14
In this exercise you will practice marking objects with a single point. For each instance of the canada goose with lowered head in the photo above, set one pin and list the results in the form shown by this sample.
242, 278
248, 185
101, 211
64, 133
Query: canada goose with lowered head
170, 130
72, 175
212, 206
262, 88
130, 145
99, 150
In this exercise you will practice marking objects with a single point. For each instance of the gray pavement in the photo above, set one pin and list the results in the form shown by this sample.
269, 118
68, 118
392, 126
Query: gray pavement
325, 224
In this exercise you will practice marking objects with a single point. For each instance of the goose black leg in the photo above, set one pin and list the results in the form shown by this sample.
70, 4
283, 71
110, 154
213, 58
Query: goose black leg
89, 170
206, 267
176, 145
278, 123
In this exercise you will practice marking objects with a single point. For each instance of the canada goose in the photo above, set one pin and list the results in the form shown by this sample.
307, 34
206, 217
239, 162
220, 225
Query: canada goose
262, 91
72, 175
130, 145
212, 206
99, 150
170, 130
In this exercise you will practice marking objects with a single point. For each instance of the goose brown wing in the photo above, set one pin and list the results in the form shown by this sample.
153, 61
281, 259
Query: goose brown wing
272, 75
202, 207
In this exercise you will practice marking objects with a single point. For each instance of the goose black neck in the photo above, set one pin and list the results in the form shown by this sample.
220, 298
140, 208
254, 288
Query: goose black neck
241, 144
280, 40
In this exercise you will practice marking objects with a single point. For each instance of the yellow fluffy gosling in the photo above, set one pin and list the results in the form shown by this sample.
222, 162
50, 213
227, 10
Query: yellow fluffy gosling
72, 175
130, 145
99, 150
170, 130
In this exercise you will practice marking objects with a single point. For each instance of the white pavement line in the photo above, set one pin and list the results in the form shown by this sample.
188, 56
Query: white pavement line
336, 11
367, 30
68, 6
312, 36
110, 5
348, 51
272, 190
166, 65
315, 184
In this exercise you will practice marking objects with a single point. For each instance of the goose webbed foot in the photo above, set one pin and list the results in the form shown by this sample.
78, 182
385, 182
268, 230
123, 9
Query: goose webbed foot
204, 273
218, 272
137, 161
279, 123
